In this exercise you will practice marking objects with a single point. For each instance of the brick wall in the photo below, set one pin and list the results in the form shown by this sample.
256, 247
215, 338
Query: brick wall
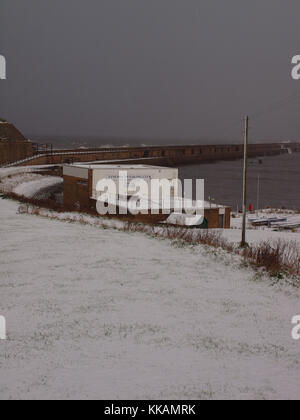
76, 193
14, 151
213, 217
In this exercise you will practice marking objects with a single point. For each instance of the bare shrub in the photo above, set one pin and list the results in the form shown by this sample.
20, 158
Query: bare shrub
278, 257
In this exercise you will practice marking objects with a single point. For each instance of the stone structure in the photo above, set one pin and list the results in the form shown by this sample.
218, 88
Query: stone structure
161, 155
13, 145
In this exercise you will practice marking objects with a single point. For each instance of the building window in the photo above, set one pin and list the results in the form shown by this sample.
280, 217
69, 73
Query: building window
84, 183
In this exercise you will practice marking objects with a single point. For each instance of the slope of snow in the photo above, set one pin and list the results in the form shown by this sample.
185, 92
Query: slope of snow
30, 189
95, 313
6, 172
9, 184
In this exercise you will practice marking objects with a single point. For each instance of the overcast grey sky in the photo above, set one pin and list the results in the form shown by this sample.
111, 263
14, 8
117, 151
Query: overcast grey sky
150, 69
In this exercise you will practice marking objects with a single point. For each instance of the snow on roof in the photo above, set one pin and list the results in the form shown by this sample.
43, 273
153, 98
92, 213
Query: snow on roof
181, 219
172, 203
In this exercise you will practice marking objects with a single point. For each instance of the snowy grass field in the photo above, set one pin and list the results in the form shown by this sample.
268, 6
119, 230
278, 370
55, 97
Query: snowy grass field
101, 314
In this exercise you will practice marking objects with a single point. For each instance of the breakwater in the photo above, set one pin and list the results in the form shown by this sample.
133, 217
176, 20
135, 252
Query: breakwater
159, 155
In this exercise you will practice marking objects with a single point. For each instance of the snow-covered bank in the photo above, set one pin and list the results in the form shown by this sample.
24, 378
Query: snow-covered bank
10, 183
17, 170
26, 182
96, 313
30, 189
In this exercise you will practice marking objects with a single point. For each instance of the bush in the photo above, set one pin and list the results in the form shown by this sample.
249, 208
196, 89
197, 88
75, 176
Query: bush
278, 258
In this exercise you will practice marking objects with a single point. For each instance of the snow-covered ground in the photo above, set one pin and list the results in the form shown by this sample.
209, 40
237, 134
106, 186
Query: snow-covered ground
8, 172
29, 183
10, 183
264, 233
259, 235
30, 189
97, 313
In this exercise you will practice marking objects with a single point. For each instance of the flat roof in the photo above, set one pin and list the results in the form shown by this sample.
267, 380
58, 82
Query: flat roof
103, 166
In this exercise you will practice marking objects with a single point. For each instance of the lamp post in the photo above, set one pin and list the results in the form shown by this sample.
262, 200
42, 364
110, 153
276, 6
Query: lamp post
244, 243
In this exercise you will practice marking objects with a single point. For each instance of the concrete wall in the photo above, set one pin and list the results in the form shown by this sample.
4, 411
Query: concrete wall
146, 173
76, 172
